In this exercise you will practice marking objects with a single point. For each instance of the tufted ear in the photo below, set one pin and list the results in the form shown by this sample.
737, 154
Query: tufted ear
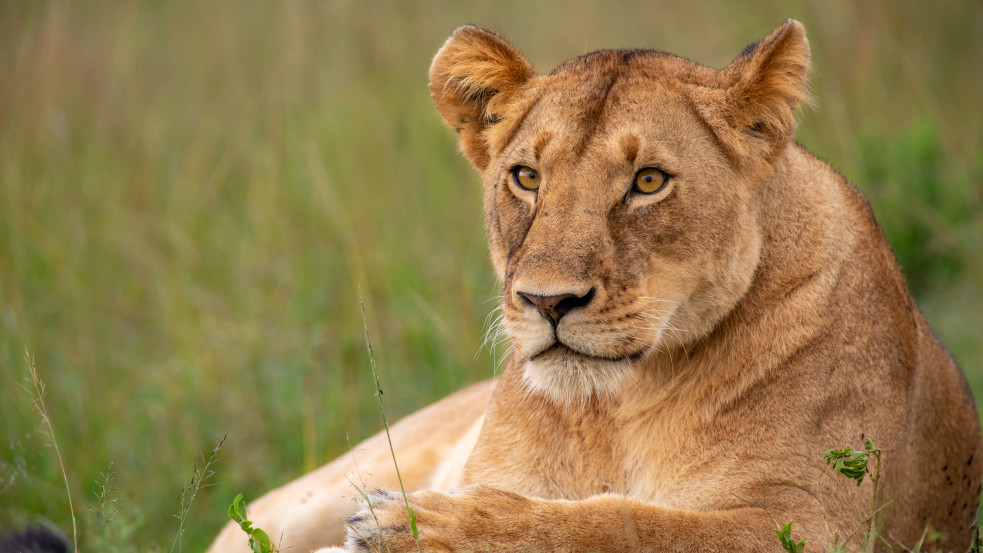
754, 114
474, 71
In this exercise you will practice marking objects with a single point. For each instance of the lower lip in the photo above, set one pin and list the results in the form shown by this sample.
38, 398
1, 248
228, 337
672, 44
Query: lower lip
561, 347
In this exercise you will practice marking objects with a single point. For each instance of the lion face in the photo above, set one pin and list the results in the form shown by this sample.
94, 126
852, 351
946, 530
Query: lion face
619, 195
598, 273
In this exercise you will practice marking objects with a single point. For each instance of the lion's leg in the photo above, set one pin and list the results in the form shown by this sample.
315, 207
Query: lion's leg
431, 446
478, 519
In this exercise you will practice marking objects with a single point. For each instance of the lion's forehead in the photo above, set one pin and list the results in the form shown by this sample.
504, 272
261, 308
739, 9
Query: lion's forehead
613, 95
594, 123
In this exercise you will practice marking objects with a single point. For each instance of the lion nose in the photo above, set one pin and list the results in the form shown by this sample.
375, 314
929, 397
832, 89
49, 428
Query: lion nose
553, 308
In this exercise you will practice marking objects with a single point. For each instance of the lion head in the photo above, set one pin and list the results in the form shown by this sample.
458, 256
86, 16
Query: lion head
619, 193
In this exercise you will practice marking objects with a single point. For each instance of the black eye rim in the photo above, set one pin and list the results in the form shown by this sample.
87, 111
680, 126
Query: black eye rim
665, 181
514, 171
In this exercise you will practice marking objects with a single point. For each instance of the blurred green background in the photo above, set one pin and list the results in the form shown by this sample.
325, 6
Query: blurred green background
192, 195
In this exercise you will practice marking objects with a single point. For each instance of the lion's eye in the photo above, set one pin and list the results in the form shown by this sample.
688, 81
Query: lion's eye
650, 181
526, 177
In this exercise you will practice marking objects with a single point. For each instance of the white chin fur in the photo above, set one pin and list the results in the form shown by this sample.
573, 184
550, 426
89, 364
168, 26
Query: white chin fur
567, 378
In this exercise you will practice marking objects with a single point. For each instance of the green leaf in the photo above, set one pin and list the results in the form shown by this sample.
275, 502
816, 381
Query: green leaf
260, 542
234, 512
849, 462
416, 535
787, 531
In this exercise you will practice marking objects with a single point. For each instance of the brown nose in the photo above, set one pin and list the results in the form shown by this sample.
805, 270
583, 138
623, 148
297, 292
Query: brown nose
553, 308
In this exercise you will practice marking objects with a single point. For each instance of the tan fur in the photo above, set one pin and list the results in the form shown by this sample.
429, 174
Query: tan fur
728, 329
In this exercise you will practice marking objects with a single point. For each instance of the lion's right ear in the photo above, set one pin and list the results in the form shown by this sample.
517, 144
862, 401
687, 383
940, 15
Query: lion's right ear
475, 71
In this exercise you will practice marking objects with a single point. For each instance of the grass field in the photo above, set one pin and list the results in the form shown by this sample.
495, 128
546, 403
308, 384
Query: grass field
193, 195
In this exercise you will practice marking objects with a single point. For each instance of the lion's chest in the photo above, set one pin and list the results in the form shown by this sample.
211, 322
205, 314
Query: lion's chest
581, 455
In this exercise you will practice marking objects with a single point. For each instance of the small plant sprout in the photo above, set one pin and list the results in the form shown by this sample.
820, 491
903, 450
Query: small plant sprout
105, 510
35, 388
852, 463
855, 465
200, 476
259, 540
788, 544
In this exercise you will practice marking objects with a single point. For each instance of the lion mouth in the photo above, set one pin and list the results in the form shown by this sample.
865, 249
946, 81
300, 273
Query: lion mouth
559, 348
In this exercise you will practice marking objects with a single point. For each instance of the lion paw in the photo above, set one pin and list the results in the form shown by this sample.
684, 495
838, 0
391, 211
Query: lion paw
384, 523
466, 519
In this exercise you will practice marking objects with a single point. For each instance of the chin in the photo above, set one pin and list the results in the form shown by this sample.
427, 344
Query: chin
567, 377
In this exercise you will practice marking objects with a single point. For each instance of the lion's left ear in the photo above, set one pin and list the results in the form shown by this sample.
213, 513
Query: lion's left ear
766, 83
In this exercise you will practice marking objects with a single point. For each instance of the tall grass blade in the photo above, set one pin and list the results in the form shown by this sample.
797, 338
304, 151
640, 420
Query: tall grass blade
385, 422
200, 476
37, 393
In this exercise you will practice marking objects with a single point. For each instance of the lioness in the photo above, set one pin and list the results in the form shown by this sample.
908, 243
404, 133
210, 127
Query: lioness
699, 308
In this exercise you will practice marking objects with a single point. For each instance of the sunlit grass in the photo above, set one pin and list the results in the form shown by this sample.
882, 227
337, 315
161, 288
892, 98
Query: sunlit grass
192, 193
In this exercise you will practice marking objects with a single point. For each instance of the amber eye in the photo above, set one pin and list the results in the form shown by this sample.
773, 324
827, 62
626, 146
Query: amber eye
650, 181
526, 177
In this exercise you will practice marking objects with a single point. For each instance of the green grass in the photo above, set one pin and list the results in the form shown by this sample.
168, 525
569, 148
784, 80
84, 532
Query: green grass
192, 194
